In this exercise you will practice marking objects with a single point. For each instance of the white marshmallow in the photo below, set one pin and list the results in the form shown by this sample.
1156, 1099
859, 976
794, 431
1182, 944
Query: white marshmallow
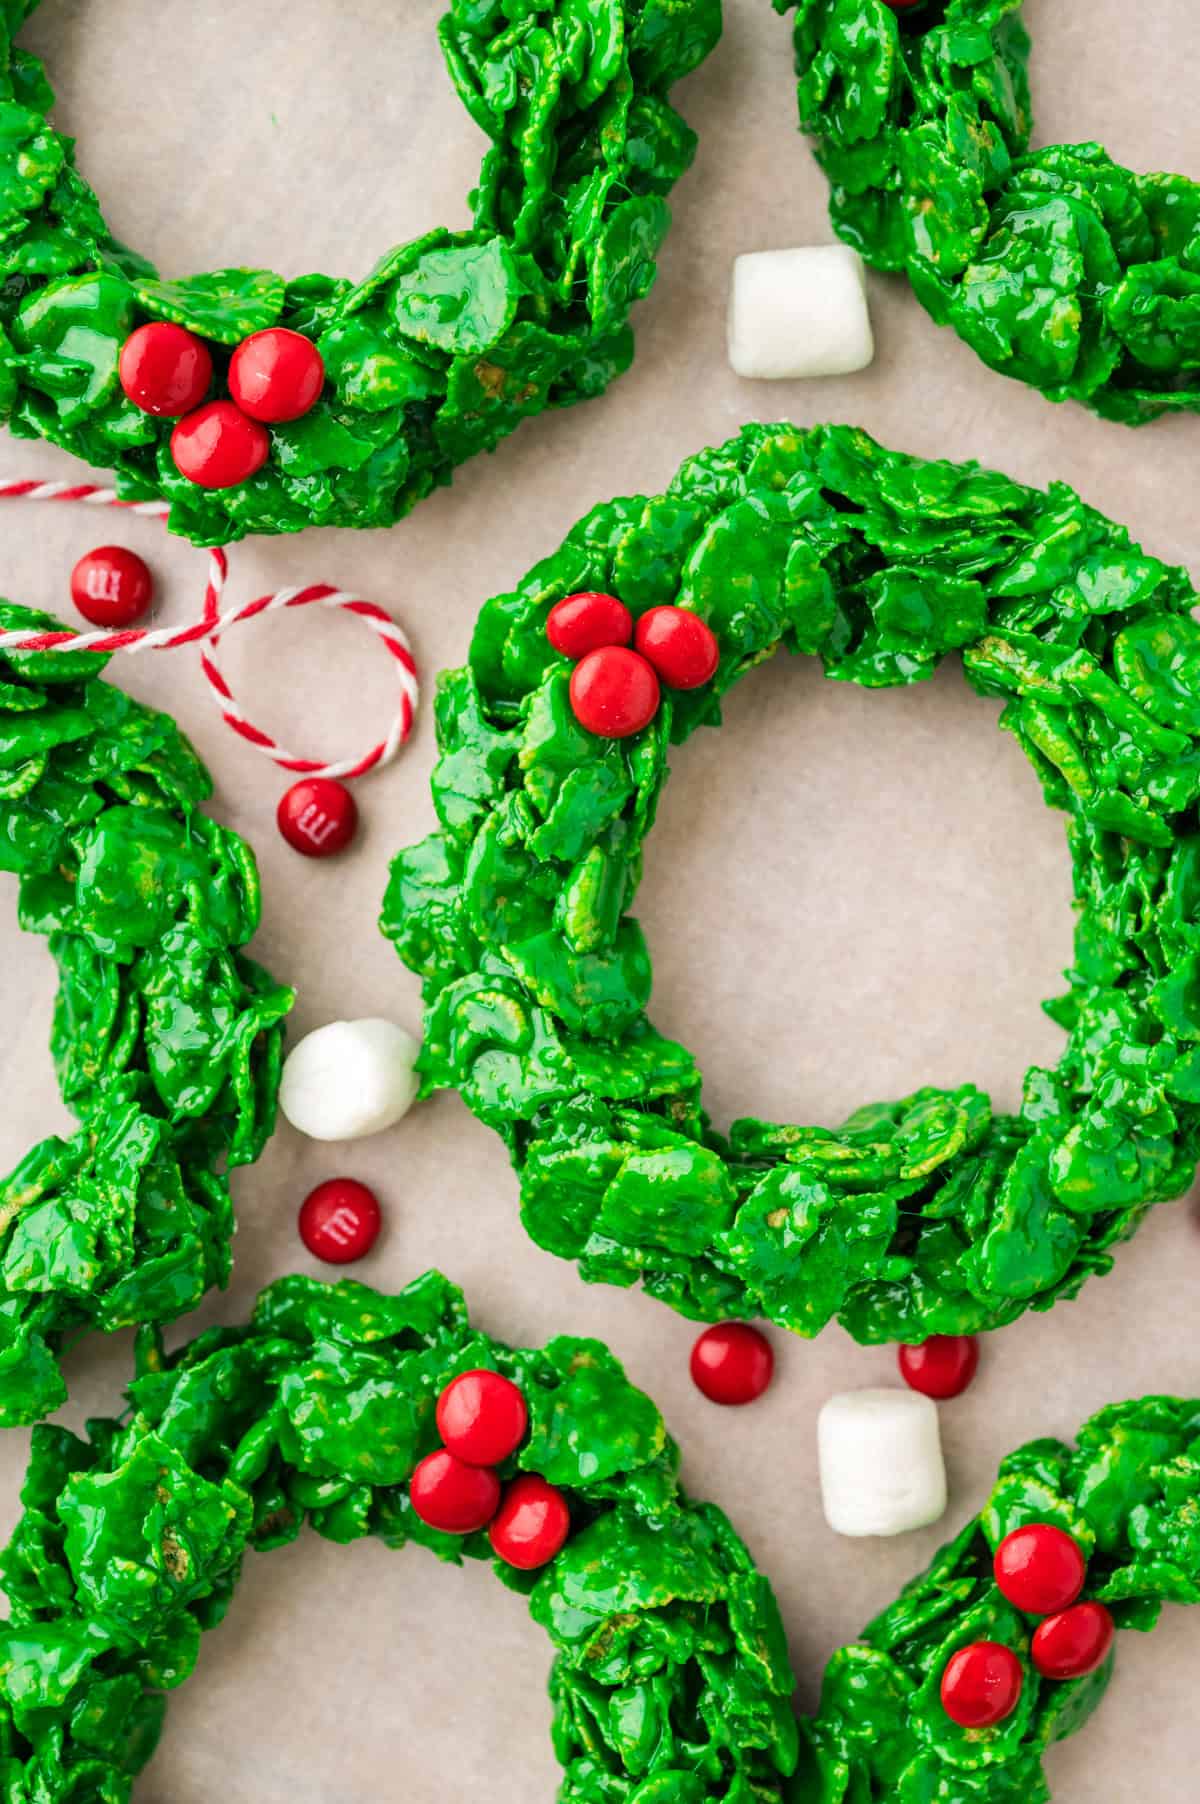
349, 1079
880, 1459
799, 313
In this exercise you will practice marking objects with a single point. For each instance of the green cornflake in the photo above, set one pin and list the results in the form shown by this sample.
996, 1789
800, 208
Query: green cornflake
166, 1038
447, 345
930, 1214
1057, 266
670, 1679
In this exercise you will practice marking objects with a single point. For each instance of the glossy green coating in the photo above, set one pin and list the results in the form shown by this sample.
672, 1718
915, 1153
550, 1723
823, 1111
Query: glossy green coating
450, 341
166, 1039
670, 1681
930, 1214
1057, 266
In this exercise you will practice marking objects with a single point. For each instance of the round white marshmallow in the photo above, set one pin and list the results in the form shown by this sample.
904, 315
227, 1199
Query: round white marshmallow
880, 1459
799, 313
349, 1079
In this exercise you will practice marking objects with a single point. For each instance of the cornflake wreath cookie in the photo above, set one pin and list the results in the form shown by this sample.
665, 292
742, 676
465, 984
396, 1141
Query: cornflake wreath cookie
166, 1038
449, 343
927, 1215
670, 1679
1057, 266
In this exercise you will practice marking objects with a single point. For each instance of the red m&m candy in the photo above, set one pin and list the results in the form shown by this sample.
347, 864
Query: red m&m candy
317, 816
681, 647
942, 1366
531, 1524
586, 622
981, 1684
454, 1497
276, 375
218, 446
111, 586
732, 1363
340, 1220
1073, 1643
165, 369
482, 1418
1040, 1568
614, 692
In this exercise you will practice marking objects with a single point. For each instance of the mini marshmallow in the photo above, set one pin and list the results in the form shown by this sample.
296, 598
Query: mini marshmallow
349, 1079
799, 313
880, 1459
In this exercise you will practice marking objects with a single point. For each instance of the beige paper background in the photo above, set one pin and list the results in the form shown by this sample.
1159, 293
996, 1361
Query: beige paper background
847, 894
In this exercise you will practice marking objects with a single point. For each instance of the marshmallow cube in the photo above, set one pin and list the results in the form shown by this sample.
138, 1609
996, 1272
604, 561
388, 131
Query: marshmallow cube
799, 313
349, 1079
880, 1459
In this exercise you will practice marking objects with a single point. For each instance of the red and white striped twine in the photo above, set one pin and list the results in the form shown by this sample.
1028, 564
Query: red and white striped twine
206, 632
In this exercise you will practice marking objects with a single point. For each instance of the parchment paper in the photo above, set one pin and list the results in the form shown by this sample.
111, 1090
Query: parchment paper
847, 894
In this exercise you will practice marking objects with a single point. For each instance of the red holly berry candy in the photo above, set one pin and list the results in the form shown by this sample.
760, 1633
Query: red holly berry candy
681, 647
218, 446
165, 369
1073, 1643
981, 1684
276, 375
614, 692
1040, 1568
482, 1418
457, 1498
585, 622
942, 1366
318, 816
340, 1220
732, 1363
531, 1524
111, 586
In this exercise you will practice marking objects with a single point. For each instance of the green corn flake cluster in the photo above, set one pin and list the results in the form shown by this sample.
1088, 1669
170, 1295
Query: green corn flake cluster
451, 340
930, 1214
166, 1039
670, 1680
1057, 266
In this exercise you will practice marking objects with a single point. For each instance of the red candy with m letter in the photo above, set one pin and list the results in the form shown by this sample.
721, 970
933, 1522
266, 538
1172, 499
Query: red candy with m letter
340, 1221
111, 586
317, 816
982, 1684
218, 446
1040, 1568
531, 1524
276, 375
681, 647
614, 692
732, 1363
942, 1366
1073, 1643
450, 1495
587, 622
164, 369
482, 1418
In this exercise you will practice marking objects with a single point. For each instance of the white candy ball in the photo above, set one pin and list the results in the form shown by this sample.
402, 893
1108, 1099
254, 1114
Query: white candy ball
799, 313
880, 1459
349, 1079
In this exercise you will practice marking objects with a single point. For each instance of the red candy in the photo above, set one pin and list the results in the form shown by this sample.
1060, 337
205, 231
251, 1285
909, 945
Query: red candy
732, 1363
1073, 1643
614, 692
482, 1418
531, 1524
111, 586
1040, 1568
276, 375
218, 446
340, 1220
165, 369
982, 1684
454, 1497
942, 1366
317, 816
681, 647
586, 622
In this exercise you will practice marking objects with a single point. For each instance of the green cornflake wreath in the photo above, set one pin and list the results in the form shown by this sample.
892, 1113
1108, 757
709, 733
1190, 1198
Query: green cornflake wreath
450, 342
670, 1681
166, 1039
927, 1215
1057, 266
